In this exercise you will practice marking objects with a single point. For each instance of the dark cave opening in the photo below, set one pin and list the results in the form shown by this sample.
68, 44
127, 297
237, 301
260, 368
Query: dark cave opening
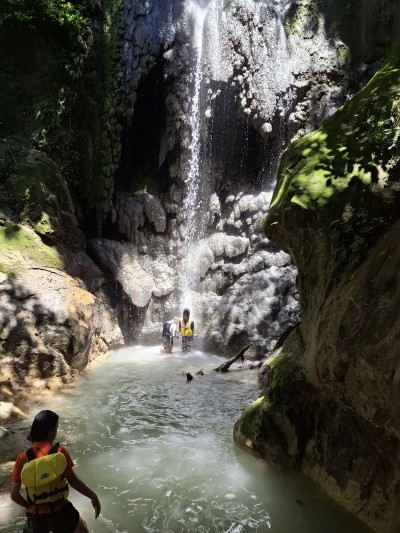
139, 169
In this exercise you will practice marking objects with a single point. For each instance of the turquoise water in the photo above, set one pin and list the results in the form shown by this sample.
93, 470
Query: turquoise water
158, 450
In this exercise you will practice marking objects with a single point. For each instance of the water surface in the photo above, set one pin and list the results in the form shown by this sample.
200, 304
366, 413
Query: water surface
158, 450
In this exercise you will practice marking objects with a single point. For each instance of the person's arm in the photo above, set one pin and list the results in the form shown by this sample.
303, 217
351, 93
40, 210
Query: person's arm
81, 487
16, 496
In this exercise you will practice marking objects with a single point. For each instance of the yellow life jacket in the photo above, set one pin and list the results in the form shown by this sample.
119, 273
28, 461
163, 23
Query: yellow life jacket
42, 477
186, 328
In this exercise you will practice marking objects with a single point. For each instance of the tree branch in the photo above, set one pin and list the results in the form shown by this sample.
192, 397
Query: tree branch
225, 366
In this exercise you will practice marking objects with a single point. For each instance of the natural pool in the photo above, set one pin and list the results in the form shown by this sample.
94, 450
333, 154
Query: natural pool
158, 450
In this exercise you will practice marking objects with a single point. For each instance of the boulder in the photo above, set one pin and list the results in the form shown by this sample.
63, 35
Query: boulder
331, 402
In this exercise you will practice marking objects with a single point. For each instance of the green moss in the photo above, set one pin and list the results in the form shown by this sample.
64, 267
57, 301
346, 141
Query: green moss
65, 343
139, 192
174, 168
34, 191
347, 146
301, 13
344, 55
19, 245
284, 372
251, 419
352, 159
286, 380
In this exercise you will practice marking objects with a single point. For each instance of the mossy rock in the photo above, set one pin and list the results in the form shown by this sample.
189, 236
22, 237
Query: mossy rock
20, 245
251, 419
34, 191
343, 178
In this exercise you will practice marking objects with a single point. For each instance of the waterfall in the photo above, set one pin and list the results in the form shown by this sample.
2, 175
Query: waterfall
193, 201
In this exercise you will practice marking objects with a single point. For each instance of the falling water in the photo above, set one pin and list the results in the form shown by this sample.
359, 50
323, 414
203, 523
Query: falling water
193, 201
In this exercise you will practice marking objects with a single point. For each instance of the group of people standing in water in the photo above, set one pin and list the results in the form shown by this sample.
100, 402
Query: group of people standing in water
172, 328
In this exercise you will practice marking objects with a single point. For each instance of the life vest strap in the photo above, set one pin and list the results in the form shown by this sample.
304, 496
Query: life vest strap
52, 493
31, 456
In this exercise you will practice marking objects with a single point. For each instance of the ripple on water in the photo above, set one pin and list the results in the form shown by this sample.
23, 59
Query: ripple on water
159, 452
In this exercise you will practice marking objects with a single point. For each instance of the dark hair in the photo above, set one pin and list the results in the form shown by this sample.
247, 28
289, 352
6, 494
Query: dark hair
43, 422
186, 311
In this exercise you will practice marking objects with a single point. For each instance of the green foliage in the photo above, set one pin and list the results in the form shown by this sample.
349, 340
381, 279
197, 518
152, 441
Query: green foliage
114, 111
65, 22
346, 172
385, 121
37, 12
44, 45
64, 81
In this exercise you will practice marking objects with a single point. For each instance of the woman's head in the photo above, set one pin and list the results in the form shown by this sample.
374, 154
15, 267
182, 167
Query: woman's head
43, 423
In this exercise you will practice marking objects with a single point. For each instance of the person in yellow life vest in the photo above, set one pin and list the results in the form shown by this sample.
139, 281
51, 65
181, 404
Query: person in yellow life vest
186, 328
45, 469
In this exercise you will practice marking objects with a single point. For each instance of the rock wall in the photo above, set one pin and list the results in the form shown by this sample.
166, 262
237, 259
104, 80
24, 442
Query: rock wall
330, 400
55, 315
96, 143
270, 74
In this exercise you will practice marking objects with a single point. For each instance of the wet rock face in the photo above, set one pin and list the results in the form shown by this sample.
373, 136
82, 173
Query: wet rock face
270, 74
46, 323
331, 401
243, 288
52, 325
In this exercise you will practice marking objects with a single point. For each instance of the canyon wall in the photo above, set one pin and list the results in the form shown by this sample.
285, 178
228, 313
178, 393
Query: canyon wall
98, 245
330, 400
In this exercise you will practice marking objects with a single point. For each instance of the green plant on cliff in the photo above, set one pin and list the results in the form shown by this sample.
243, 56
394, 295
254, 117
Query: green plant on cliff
113, 111
346, 172
386, 122
65, 23
302, 12
60, 70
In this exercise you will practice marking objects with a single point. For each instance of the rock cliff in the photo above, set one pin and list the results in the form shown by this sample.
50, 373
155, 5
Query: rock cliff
96, 140
330, 401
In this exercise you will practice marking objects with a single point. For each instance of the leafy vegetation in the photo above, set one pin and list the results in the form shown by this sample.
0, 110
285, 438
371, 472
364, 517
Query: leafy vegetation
347, 172
62, 83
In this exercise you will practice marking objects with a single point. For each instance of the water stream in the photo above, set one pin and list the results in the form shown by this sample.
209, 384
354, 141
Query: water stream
193, 208
159, 452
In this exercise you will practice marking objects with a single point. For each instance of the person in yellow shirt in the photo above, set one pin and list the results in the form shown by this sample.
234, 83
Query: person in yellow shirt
186, 328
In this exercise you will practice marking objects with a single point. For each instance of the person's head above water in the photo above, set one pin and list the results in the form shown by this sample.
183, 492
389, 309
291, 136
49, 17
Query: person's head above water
186, 312
43, 423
